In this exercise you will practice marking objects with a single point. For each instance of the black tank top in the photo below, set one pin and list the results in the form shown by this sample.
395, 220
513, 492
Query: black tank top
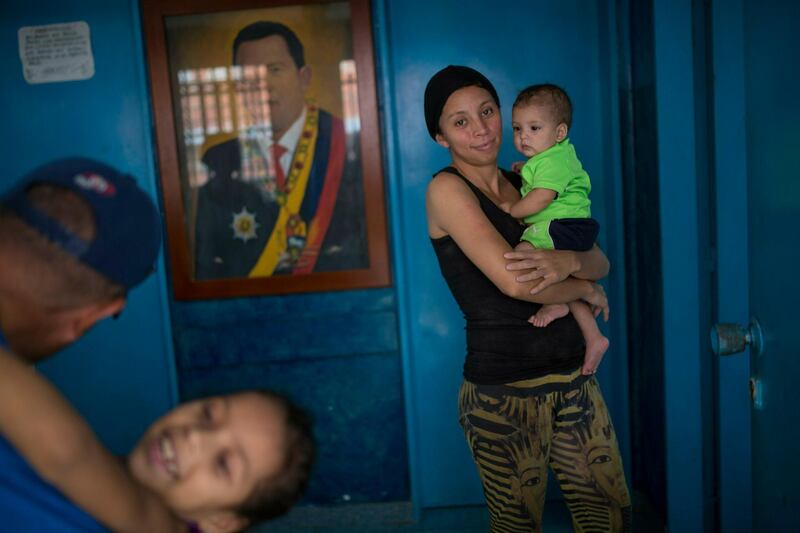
501, 345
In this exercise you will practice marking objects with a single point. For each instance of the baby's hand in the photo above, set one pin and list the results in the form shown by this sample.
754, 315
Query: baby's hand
516, 166
506, 206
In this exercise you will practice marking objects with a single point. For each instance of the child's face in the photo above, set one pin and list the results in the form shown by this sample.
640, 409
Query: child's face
535, 129
205, 457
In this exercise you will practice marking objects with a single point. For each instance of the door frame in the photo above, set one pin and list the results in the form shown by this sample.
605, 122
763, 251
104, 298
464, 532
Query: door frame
699, 65
685, 131
734, 456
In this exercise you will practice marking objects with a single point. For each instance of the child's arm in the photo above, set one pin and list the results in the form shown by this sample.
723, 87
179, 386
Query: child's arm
61, 447
532, 203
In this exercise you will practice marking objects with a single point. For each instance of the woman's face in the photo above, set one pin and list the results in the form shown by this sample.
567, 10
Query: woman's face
205, 457
470, 126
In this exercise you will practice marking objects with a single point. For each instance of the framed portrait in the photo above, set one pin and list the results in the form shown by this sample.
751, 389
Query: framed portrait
268, 145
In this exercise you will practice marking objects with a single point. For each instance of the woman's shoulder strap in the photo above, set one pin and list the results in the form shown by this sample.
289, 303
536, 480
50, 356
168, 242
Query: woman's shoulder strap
476, 191
453, 170
450, 170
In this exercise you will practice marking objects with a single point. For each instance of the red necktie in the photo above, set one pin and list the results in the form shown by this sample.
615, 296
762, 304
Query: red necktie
276, 150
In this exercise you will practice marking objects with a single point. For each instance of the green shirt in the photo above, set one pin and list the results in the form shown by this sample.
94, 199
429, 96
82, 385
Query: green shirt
558, 169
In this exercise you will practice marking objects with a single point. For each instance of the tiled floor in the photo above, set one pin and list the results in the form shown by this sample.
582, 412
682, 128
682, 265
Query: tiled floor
396, 517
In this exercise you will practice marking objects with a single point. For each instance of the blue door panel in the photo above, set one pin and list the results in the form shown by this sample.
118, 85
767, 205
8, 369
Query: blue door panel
772, 108
734, 451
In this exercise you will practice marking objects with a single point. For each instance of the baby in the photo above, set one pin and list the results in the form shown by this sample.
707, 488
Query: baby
555, 198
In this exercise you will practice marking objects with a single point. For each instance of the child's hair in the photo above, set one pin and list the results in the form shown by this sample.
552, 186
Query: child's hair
548, 95
273, 496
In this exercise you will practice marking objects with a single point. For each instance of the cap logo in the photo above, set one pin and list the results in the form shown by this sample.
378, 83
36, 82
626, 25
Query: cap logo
95, 182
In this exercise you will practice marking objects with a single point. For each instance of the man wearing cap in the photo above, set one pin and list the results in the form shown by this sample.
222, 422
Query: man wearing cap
285, 196
75, 236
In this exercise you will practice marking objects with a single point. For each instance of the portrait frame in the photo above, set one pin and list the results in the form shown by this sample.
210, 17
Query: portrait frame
156, 15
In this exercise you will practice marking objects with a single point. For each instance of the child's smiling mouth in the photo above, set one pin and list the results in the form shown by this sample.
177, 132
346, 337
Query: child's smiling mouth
163, 456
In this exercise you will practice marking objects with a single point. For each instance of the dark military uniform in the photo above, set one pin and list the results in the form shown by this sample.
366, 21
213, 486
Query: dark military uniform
236, 217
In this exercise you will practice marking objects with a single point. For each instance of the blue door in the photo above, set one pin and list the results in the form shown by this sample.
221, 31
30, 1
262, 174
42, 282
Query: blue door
758, 197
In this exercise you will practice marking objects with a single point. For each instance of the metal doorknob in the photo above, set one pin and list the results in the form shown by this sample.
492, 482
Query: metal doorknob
728, 339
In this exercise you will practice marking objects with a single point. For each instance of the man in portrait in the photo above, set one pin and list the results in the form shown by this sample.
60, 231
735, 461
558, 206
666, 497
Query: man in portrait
285, 195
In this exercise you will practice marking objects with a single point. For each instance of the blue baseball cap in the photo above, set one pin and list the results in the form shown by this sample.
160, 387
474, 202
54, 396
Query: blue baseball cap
128, 228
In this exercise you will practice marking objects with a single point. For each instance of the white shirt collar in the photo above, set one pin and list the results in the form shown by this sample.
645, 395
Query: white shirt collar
288, 140
292, 135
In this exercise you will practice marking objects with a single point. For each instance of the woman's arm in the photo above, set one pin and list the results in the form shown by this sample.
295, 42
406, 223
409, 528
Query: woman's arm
61, 447
454, 210
553, 266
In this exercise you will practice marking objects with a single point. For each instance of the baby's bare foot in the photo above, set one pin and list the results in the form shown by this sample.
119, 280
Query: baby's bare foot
548, 313
595, 350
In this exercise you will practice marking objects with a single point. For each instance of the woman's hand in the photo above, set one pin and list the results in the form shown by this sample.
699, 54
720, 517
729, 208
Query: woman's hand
551, 266
598, 300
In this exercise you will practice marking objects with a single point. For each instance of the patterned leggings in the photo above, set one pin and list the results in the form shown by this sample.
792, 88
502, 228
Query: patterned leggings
516, 430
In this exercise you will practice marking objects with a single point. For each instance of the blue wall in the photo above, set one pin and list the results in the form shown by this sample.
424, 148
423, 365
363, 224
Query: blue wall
337, 354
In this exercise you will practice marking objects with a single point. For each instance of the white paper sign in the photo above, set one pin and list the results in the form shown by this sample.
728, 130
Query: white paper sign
56, 52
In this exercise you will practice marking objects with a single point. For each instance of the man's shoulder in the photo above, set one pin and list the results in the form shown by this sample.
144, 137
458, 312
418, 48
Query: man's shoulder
327, 121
